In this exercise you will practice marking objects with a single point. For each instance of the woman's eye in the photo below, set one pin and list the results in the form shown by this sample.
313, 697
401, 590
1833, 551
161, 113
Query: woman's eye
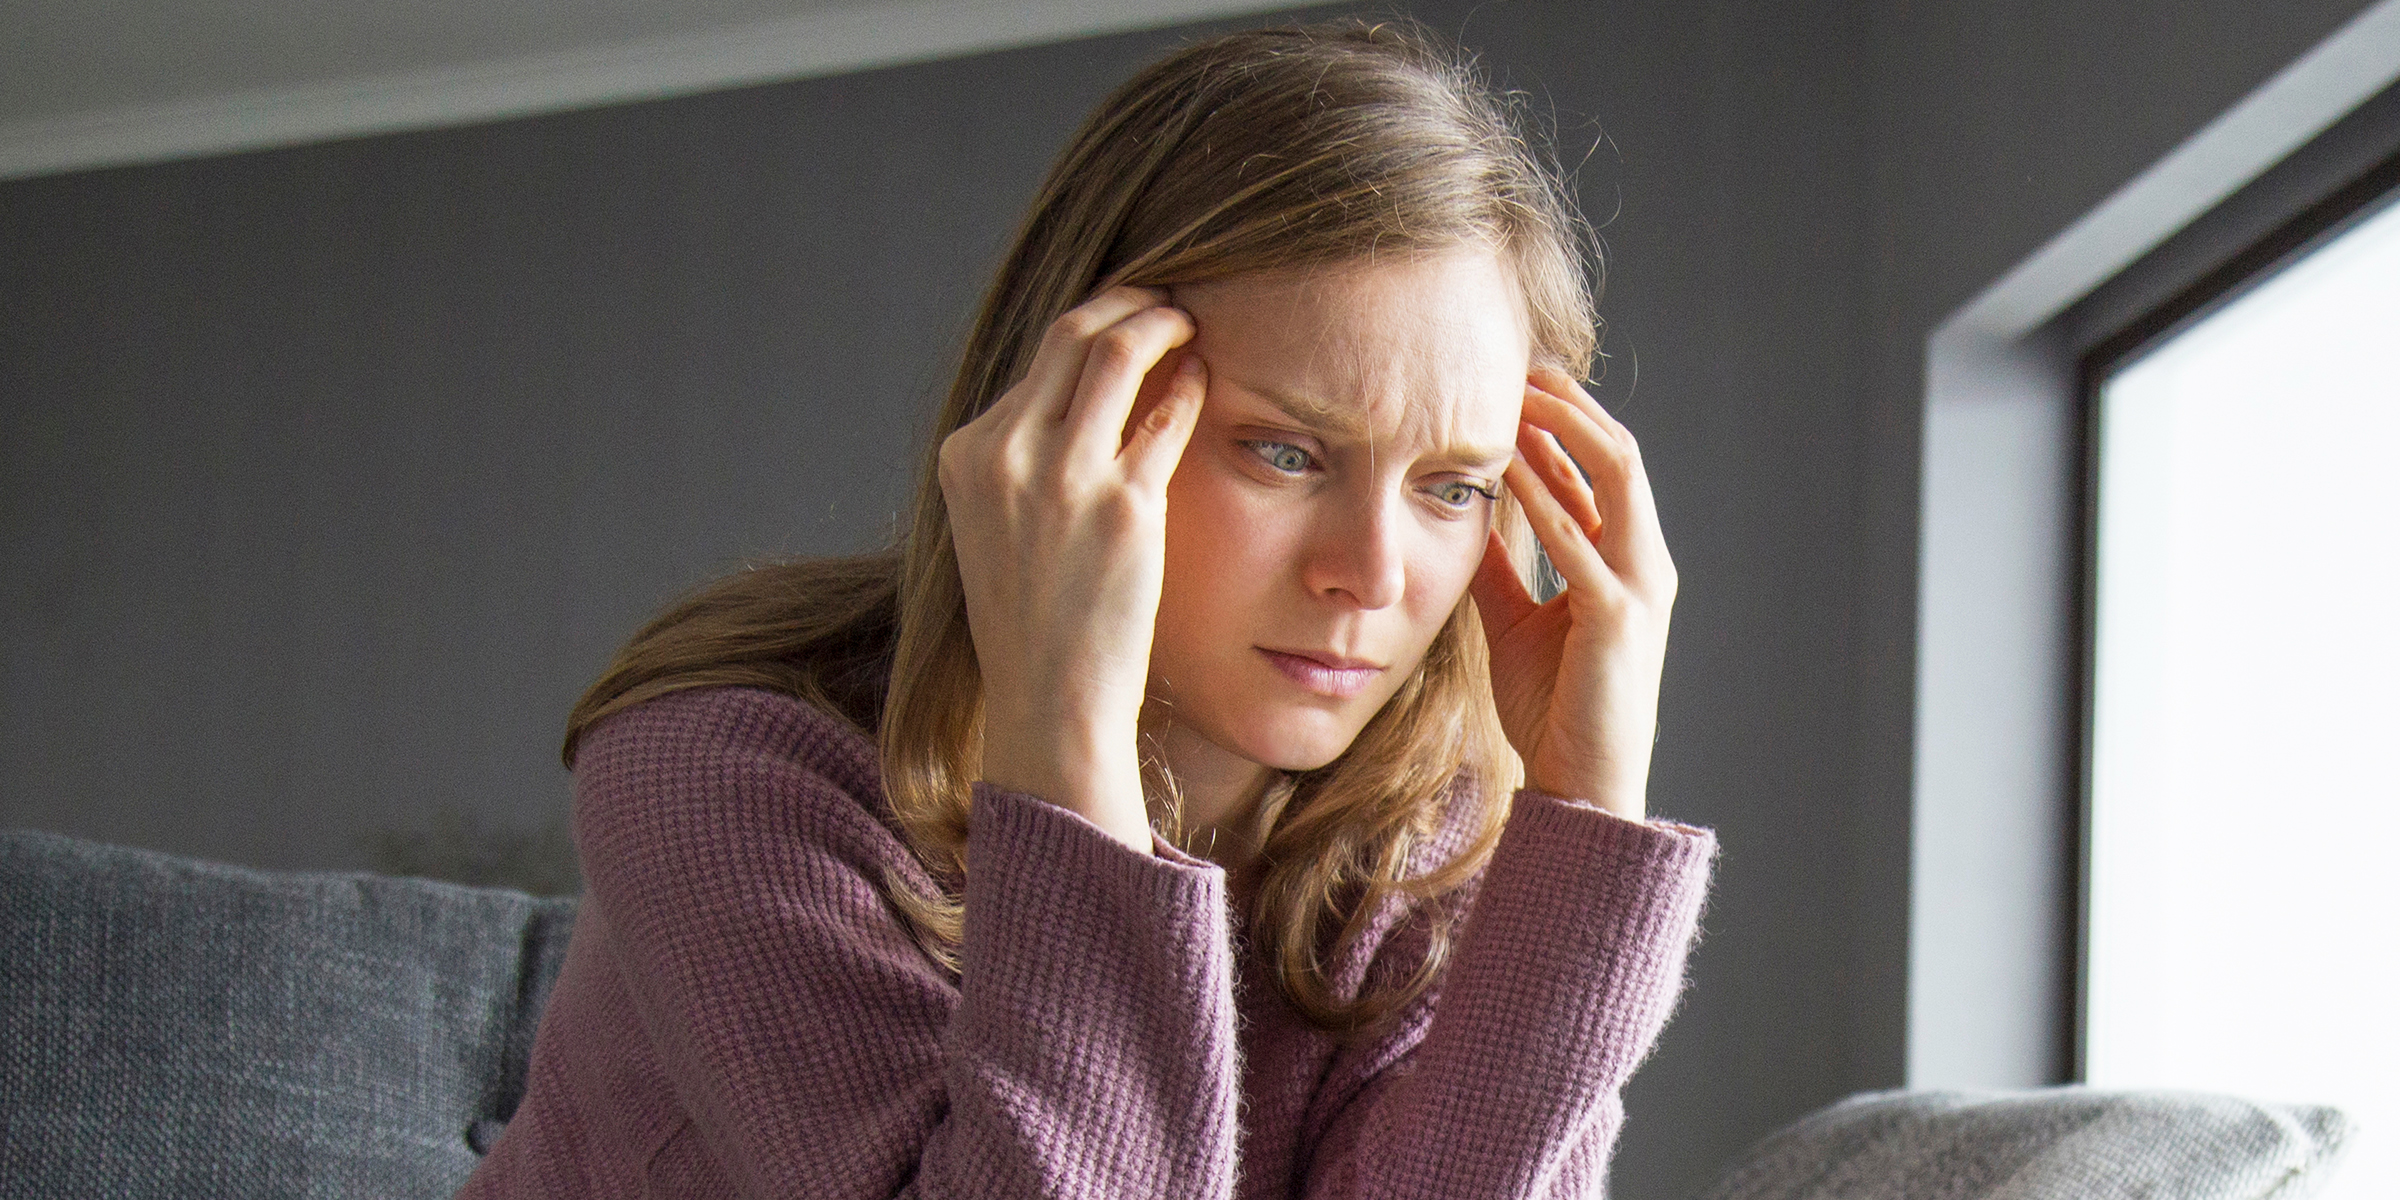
1459, 494
1283, 456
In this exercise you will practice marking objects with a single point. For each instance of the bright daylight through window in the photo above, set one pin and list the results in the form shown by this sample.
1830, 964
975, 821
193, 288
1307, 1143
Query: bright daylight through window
2244, 914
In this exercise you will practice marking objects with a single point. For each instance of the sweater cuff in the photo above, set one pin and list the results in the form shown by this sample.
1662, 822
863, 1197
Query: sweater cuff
1627, 832
1634, 883
1026, 829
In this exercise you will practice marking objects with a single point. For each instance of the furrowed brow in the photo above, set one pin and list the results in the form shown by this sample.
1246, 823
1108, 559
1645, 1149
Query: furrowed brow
1316, 416
1486, 457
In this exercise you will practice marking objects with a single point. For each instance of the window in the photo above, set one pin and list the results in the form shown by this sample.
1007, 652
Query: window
2242, 886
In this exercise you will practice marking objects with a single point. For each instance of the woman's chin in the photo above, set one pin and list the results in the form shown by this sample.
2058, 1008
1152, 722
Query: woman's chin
1296, 741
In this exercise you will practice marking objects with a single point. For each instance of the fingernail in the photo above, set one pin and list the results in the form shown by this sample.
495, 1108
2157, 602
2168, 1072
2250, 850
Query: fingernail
1189, 367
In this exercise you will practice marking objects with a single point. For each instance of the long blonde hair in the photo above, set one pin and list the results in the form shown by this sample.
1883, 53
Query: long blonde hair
1270, 150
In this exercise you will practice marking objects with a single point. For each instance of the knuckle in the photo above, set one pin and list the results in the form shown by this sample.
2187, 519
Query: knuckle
1116, 350
1630, 607
951, 460
1124, 509
1077, 325
1561, 526
972, 462
1609, 601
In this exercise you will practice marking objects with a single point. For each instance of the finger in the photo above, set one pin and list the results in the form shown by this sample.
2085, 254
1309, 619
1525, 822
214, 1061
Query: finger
1560, 386
1500, 596
1574, 556
1630, 538
1559, 471
1120, 359
1160, 434
1558, 383
1049, 383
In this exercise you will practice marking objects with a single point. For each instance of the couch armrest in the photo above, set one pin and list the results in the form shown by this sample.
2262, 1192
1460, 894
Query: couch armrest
2065, 1143
173, 1028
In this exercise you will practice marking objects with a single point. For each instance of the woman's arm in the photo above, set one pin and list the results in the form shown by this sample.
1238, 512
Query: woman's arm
1094, 1046
1576, 678
1087, 1052
1572, 956
1567, 968
1056, 497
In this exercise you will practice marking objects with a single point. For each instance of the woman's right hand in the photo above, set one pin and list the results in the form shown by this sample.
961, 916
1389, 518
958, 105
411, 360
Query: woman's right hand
1058, 512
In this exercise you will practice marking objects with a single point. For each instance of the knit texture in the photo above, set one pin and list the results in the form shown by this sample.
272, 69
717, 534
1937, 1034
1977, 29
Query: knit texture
741, 1012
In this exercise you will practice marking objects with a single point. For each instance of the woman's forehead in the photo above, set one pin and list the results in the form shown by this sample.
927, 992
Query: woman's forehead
1427, 348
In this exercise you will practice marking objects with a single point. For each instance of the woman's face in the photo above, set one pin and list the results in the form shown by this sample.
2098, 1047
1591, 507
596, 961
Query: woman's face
1332, 505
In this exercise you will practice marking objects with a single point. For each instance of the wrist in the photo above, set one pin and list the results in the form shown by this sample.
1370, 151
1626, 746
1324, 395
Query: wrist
1622, 793
1087, 772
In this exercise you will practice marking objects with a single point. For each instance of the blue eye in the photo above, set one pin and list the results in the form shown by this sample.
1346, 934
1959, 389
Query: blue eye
1458, 493
1283, 456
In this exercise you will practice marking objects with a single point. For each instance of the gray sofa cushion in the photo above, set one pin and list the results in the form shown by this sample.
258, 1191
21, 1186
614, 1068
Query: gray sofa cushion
170, 1028
2068, 1143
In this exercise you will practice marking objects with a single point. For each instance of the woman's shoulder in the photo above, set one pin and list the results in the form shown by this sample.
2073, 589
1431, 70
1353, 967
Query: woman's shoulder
719, 722
711, 750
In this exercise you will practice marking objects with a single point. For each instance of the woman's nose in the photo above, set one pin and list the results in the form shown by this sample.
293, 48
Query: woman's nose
1358, 555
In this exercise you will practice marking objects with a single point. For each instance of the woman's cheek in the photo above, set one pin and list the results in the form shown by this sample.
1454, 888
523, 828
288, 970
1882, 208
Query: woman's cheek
1442, 569
1221, 555
1206, 511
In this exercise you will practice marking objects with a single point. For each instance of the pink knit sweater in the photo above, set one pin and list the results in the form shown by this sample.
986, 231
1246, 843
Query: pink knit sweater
742, 1014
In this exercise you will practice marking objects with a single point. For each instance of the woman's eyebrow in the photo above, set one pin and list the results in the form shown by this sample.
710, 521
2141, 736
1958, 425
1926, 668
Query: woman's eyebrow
1314, 415
1478, 456
1345, 421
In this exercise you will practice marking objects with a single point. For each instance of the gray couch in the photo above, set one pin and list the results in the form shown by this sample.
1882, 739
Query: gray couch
170, 1028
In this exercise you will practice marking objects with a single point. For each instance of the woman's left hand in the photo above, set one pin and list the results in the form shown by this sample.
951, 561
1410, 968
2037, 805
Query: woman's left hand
1577, 678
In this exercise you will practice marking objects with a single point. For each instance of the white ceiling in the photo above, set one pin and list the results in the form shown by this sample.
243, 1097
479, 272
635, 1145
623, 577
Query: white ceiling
62, 56
106, 82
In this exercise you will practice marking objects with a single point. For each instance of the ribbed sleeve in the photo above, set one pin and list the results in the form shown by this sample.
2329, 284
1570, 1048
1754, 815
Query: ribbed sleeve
743, 1013
1562, 977
1093, 1054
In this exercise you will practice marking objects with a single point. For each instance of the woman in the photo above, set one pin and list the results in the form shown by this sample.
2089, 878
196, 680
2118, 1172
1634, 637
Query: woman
1191, 861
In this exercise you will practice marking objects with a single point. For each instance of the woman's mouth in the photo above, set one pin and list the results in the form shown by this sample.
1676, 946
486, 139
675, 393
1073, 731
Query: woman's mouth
1331, 676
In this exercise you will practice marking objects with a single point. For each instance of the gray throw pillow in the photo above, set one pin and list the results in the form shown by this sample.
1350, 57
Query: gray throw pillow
2066, 1143
172, 1028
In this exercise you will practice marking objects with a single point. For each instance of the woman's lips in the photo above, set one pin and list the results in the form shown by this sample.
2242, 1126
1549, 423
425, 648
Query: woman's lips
1338, 682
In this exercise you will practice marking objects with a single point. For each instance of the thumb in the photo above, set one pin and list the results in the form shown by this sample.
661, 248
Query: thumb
1500, 596
1158, 439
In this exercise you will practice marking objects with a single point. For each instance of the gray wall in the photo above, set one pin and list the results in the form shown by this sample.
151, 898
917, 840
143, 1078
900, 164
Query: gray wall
329, 475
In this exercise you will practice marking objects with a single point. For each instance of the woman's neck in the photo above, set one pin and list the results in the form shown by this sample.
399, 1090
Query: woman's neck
1220, 790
